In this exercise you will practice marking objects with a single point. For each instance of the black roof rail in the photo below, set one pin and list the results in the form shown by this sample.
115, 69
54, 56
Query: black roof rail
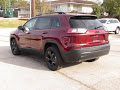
51, 13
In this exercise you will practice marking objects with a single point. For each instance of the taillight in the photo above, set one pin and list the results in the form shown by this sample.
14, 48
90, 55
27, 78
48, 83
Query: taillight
77, 30
77, 47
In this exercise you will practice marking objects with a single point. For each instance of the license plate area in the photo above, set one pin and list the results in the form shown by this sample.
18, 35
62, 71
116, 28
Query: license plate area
96, 38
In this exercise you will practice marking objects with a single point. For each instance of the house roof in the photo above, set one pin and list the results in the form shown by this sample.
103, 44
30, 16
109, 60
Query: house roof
73, 1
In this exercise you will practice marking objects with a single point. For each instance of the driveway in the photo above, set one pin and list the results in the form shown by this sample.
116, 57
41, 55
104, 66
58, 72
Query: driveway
29, 72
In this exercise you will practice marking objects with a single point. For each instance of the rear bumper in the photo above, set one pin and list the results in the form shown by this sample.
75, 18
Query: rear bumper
85, 53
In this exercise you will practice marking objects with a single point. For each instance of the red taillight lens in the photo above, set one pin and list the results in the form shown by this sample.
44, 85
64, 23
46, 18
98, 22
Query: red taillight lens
77, 30
77, 47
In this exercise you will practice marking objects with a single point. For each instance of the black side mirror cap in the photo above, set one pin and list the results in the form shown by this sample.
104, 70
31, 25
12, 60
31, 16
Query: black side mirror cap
21, 28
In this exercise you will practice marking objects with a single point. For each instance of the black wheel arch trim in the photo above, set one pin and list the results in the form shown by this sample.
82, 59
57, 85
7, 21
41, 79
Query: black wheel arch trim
15, 39
52, 42
58, 46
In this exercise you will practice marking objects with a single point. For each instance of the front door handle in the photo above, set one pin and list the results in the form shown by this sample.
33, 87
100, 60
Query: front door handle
44, 32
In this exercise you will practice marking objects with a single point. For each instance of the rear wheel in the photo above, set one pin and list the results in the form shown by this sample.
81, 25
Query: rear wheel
117, 31
53, 58
92, 60
14, 47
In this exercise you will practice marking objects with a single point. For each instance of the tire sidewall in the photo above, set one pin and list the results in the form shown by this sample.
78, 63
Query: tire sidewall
117, 30
58, 58
17, 52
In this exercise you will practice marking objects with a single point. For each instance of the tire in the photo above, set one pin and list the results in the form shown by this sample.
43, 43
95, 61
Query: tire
53, 58
117, 31
92, 60
14, 47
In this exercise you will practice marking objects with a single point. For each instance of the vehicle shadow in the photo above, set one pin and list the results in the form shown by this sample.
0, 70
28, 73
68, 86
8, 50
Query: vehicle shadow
112, 33
26, 59
33, 60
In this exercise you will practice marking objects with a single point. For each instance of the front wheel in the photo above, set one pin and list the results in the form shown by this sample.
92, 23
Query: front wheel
53, 58
117, 31
14, 47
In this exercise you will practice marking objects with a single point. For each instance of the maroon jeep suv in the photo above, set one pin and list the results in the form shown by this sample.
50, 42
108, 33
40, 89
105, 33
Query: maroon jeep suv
62, 38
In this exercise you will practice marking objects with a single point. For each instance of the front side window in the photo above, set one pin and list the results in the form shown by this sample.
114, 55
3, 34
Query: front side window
103, 21
30, 24
43, 23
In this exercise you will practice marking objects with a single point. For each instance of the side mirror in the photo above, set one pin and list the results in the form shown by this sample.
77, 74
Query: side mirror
27, 30
20, 28
108, 22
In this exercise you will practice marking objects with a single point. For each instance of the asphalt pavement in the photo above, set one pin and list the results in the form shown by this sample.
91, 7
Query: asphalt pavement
29, 71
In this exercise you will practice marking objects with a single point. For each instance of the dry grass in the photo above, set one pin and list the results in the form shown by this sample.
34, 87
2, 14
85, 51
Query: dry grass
11, 23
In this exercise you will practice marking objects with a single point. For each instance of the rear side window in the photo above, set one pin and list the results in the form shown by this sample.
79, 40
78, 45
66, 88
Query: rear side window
87, 23
111, 21
55, 22
48, 23
116, 21
43, 23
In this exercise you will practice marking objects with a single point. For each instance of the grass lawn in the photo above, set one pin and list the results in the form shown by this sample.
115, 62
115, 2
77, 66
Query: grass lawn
11, 23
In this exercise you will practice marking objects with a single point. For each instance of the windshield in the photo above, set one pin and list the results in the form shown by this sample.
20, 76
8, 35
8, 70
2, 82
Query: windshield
103, 21
89, 24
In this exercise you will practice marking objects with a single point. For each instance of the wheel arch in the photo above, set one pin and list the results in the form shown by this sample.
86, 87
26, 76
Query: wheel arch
51, 43
118, 27
11, 38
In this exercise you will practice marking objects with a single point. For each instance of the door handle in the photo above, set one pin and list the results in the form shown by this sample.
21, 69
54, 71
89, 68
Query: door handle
44, 32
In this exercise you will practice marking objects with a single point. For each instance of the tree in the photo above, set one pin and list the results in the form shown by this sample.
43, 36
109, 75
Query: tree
43, 7
5, 3
21, 3
13, 3
73, 11
98, 10
50, 10
112, 7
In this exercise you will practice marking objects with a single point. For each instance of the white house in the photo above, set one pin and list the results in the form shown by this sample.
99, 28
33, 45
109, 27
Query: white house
83, 6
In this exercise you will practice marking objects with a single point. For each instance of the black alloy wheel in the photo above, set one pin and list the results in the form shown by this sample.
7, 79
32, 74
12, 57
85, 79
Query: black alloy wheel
53, 58
14, 47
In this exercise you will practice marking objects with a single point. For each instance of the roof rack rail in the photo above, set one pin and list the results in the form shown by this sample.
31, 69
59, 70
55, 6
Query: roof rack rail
51, 13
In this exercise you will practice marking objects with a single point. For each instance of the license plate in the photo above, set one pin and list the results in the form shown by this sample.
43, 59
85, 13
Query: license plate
96, 38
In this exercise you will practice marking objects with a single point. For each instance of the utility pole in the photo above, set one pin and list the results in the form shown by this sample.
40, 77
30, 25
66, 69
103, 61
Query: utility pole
30, 8
33, 8
50, 3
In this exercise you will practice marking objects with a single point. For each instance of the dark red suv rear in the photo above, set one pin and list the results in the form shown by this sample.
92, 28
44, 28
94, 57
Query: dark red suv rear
62, 37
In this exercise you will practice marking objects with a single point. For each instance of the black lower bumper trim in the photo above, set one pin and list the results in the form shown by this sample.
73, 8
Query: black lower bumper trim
85, 53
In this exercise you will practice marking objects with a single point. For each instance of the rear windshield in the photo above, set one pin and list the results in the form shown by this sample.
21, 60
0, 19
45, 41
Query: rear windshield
103, 21
87, 23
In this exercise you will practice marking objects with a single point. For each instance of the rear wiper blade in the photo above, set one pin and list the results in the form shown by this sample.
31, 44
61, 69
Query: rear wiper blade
98, 27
